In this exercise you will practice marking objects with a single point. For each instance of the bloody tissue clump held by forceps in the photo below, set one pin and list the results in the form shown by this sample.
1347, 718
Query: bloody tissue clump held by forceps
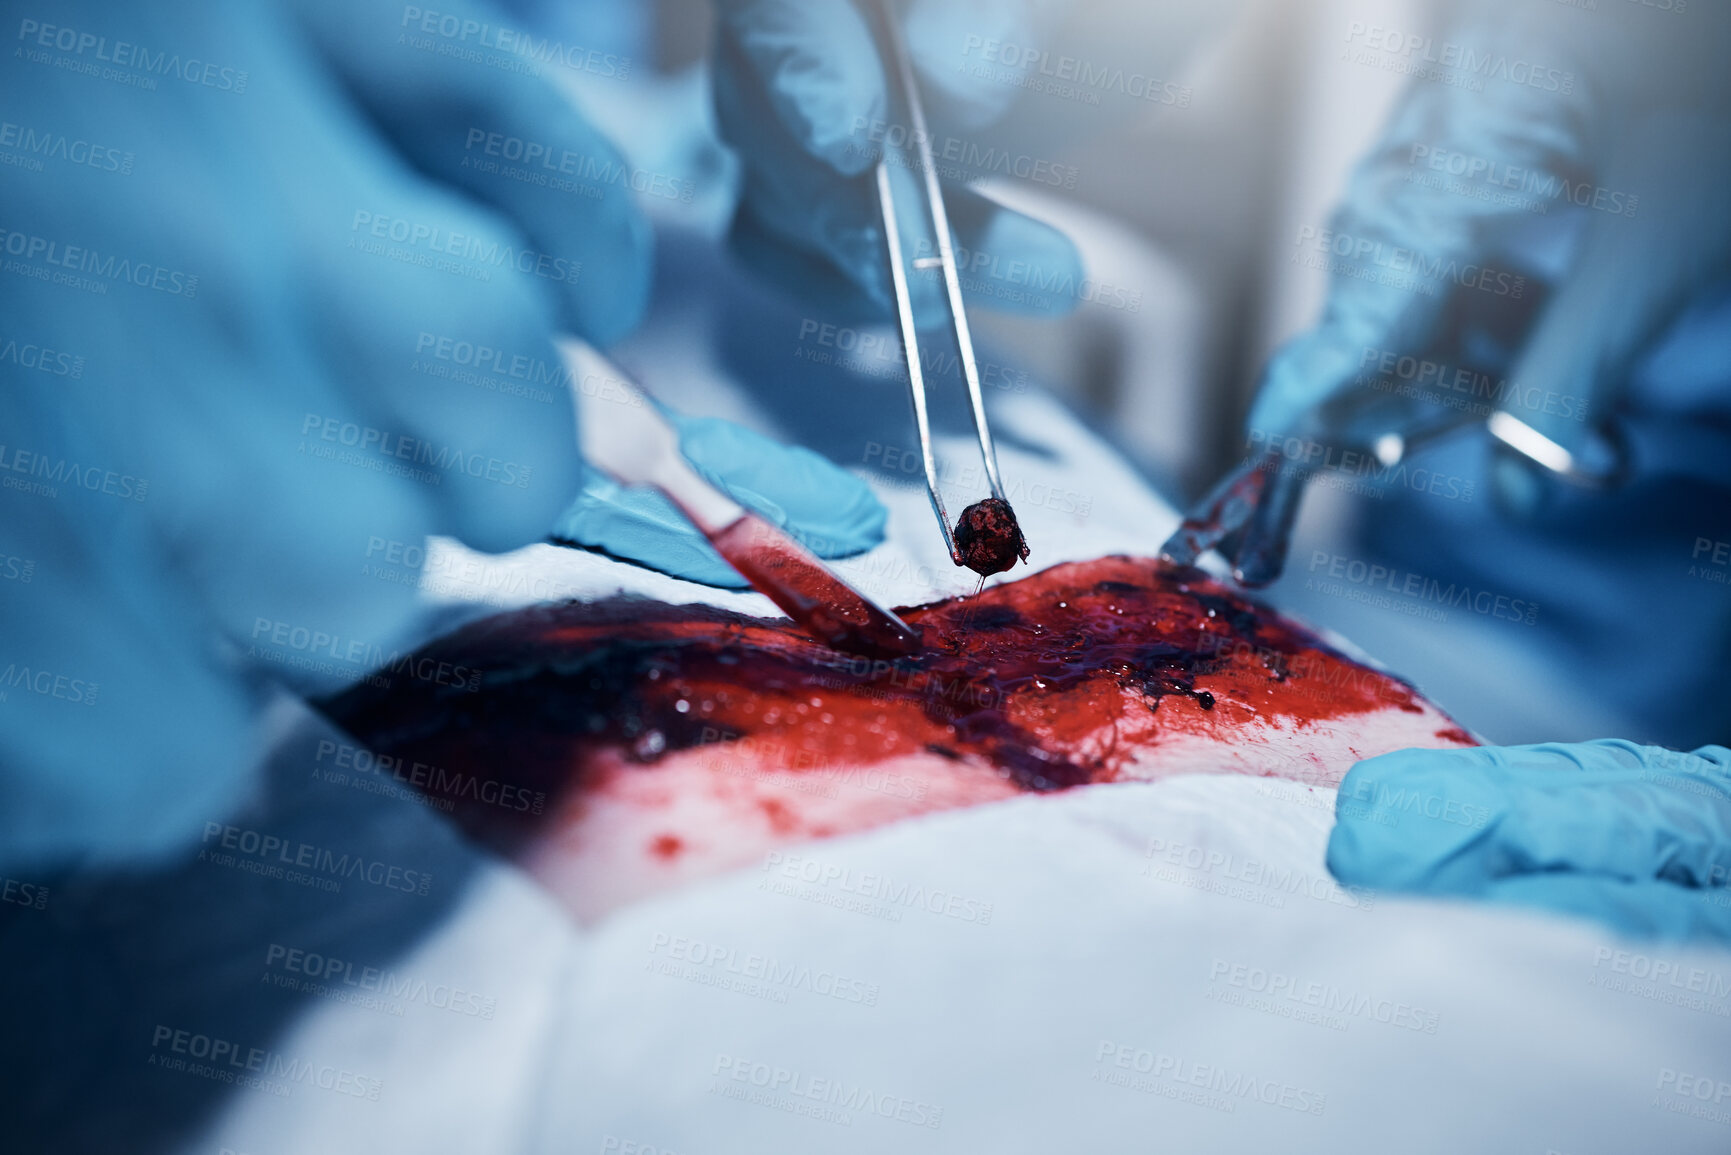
989, 538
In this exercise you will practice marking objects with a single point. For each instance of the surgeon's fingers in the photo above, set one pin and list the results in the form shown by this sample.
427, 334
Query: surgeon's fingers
458, 98
1313, 394
824, 73
799, 105
209, 403
828, 247
798, 74
1457, 821
1634, 271
805, 108
1012, 262
1400, 252
121, 732
453, 357
825, 508
944, 37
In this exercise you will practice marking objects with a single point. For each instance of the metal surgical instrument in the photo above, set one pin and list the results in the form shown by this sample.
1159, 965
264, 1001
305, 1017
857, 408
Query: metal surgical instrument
901, 72
624, 435
1236, 506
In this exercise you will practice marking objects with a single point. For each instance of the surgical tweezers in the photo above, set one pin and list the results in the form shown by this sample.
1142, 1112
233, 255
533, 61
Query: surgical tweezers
1260, 497
901, 70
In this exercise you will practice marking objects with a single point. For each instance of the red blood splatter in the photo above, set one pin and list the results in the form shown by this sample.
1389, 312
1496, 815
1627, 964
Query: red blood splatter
1457, 734
830, 611
1024, 678
666, 847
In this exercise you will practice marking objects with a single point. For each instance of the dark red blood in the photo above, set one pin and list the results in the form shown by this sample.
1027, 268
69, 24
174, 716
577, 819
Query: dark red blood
1457, 734
1023, 678
989, 538
666, 846
827, 608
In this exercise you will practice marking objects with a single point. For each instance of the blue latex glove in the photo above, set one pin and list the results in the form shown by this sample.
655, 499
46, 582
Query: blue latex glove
800, 93
832, 512
1637, 837
1542, 233
271, 296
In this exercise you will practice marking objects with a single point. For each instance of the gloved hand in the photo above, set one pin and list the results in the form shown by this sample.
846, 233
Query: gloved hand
802, 94
825, 508
1538, 227
1637, 837
276, 298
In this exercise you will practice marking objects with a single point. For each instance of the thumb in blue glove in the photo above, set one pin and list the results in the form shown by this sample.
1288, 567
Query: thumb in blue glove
1635, 837
801, 92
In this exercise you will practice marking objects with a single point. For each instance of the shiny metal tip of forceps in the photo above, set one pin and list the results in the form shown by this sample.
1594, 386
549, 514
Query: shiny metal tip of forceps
1607, 468
1604, 462
901, 68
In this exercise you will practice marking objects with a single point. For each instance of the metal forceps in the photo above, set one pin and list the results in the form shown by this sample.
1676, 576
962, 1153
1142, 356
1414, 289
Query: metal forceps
1249, 515
901, 75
